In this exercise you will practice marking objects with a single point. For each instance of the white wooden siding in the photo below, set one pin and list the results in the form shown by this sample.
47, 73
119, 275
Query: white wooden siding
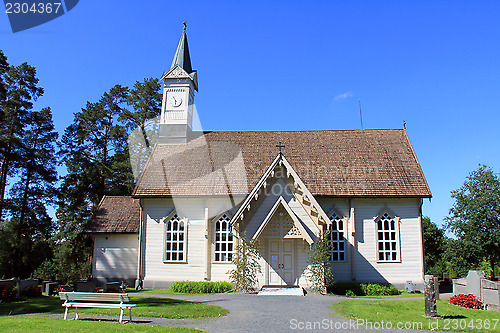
361, 265
366, 266
115, 256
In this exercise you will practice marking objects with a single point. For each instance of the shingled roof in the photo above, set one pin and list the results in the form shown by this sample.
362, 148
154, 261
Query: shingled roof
344, 163
116, 215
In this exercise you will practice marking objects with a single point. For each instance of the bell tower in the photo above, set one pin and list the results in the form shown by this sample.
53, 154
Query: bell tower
179, 85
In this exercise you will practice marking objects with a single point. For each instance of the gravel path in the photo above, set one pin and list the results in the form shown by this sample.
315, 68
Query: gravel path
253, 313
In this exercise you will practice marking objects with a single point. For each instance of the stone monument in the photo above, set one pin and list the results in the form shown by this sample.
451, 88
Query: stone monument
431, 290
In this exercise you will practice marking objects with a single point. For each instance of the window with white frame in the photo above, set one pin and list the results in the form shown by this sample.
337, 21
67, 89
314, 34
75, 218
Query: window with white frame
387, 238
223, 240
175, 240
335, 238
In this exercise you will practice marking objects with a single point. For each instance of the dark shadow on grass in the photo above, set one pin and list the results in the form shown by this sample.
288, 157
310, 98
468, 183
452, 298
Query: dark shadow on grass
453, 317
31, 305
111, 320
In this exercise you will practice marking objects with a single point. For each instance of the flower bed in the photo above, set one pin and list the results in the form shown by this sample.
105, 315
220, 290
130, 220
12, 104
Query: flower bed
467, 301
7, 294
32, 291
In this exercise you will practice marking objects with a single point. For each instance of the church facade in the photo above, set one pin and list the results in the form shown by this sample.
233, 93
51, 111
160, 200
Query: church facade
201, 193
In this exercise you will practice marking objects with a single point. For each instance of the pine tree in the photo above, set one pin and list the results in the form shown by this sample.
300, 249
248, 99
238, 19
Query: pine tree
145, 100
19, 91
95, 152
29, 226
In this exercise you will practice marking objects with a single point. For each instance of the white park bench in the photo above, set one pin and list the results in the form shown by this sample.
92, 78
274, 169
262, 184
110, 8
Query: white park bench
96, 300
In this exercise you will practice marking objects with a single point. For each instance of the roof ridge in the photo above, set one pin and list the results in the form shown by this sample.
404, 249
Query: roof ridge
322, 130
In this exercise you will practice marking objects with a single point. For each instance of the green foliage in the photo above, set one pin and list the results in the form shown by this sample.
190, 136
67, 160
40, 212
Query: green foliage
246, 262
145, 100
19, 89
94, 149
434, 247
362, 289
319, 270
378, 289
475, 220
350, 293
27, 159
201, 287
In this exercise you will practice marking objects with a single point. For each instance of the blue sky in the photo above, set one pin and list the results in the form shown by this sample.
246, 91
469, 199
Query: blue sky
295, 65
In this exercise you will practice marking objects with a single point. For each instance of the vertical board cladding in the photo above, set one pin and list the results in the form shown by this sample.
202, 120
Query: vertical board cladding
410, 265
159, 273
115, 256
302, 258
341, 269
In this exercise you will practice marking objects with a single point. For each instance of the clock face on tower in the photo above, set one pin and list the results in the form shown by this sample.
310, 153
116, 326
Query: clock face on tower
176, 101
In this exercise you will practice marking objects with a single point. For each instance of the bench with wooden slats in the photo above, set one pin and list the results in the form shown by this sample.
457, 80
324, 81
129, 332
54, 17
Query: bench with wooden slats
96, 300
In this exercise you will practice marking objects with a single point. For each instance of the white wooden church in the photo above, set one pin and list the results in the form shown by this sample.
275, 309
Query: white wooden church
201, 193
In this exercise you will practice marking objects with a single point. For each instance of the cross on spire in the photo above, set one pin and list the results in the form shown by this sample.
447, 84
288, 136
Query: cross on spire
280, 146
185, 26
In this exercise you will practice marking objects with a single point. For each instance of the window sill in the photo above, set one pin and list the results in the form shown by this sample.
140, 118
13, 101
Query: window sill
175, 262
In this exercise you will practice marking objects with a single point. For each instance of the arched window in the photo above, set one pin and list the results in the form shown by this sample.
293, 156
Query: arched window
175, 240
335, 238
387, 238
223, 239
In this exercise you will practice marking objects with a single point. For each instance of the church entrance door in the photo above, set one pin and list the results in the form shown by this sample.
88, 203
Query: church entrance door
281, 262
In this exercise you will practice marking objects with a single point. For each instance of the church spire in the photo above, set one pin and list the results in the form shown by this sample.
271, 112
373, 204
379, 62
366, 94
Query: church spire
179, 85
181, 56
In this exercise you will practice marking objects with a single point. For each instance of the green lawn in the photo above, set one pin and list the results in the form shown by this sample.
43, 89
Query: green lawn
29, 324
452, 318
146, 307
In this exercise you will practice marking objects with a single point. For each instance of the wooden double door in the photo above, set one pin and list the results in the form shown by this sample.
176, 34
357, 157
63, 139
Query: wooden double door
281, 262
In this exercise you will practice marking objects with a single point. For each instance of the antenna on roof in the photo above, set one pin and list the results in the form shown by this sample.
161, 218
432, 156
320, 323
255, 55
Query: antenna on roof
360, 114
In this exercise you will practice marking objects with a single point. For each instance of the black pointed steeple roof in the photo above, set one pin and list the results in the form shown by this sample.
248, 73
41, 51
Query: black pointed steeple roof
181, 56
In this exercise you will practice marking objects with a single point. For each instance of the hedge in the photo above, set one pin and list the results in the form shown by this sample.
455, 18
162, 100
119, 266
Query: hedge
362, 289
203, 287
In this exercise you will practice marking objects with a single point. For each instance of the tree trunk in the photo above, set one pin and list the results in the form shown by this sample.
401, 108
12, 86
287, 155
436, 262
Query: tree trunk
492, 267
3, 179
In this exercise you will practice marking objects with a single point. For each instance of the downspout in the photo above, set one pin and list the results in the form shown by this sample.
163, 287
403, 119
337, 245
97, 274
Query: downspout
352, 239
208, 268
140, 264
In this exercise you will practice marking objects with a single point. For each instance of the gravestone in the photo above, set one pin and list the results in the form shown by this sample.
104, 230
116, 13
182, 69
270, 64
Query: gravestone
431, 288
474, 283
50, 287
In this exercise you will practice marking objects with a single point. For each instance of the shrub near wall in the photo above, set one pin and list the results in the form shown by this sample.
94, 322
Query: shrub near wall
203, 287
362, 289
7, 294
